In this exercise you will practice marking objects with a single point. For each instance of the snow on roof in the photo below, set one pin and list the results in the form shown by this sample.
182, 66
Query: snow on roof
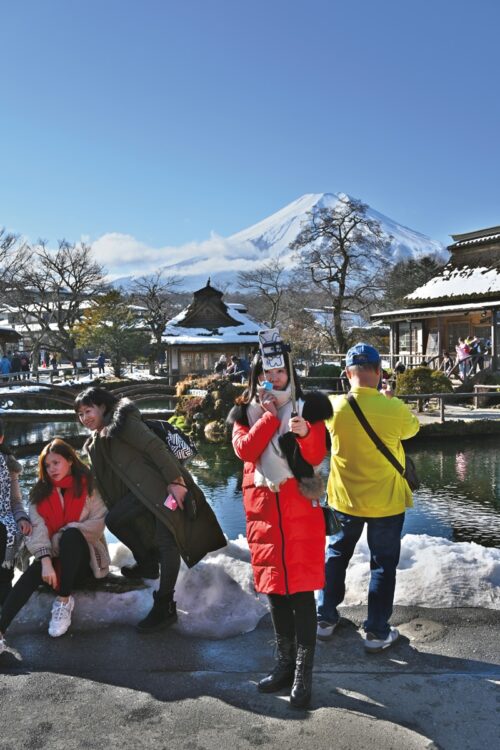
415, 312
245, 332
459, 282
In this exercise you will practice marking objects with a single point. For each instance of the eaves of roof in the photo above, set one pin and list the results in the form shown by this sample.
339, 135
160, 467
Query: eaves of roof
431, 311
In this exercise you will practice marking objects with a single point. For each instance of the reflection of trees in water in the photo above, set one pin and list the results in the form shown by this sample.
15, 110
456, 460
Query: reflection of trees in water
461, 489
215, 466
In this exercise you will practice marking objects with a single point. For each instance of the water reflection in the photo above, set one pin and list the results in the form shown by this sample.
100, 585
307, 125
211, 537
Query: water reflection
460, 494
459, 498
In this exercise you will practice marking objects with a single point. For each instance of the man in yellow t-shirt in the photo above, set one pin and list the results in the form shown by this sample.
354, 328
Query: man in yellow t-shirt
365, 488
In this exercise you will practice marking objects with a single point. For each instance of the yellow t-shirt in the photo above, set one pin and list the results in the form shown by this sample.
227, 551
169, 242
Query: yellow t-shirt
362, 482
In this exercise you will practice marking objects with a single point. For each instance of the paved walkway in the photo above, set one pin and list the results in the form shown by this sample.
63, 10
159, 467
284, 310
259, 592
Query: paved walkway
438, 687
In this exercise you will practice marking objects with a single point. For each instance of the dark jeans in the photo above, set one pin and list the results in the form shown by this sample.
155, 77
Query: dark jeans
147, 538
294, 616
384, 543
74, 557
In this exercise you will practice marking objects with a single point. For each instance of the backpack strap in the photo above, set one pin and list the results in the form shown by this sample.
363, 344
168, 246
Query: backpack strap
373, 435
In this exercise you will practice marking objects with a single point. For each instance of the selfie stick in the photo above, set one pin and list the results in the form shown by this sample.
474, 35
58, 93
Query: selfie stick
293, 394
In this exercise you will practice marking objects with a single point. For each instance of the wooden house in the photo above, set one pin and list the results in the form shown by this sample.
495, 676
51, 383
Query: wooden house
462, 300
207, 329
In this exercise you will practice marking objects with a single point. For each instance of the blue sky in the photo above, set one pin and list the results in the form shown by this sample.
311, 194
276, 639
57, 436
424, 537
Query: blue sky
167, 120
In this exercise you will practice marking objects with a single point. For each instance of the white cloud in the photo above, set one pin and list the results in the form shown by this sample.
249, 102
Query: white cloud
123, 255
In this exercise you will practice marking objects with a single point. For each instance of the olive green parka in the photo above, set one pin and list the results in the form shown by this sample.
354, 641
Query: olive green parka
127, 447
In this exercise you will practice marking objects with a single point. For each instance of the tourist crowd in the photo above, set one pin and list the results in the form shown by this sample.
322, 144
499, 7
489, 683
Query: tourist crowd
131, 481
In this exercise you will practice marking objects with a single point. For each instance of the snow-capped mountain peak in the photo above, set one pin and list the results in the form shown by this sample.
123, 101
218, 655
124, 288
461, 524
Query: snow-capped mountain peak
222, 258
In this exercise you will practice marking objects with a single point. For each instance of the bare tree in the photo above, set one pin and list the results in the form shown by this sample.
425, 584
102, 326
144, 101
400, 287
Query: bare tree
155, 293
269, 282
343, 251
14, 255
50, 293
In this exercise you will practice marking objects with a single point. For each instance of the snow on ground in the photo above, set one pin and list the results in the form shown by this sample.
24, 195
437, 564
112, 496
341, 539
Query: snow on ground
216, 599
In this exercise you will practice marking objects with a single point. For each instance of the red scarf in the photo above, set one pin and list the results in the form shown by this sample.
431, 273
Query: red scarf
57, 514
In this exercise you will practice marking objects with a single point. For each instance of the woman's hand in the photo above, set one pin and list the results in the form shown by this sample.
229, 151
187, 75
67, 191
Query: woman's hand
48, 572
179, 490
386, 389
268, 403
299, 426
25, 527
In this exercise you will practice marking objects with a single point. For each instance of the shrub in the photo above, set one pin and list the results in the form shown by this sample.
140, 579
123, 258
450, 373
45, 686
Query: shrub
422, 380
324, 371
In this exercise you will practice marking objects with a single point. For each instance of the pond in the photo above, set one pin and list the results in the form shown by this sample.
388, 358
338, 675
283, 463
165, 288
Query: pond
459, 498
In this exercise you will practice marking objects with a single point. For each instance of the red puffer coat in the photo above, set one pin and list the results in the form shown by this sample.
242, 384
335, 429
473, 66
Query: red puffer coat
285, 533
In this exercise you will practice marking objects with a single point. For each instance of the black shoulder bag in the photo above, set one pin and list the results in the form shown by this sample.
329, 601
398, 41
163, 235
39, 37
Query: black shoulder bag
409, 472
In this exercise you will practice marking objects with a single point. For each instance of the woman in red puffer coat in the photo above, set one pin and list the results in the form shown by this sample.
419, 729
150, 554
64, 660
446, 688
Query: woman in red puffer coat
285, 524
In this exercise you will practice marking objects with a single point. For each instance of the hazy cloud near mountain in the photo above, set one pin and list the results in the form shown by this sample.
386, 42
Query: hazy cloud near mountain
123, 254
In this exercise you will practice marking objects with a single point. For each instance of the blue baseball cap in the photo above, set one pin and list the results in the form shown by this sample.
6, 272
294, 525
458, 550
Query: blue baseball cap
362, 354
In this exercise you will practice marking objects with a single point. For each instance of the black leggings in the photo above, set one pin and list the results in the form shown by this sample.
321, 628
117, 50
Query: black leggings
6, 574
74, 556
147, 538
294, 616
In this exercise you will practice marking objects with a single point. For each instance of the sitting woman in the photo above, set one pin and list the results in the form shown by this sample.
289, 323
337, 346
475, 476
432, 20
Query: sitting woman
67, 516
285, 523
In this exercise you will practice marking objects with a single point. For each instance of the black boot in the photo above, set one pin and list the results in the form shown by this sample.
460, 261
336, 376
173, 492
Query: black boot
136, 572
300, 694
162, 615
147, 567
282, 674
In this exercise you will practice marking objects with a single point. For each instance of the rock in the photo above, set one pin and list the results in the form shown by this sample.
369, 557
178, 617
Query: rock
215, 431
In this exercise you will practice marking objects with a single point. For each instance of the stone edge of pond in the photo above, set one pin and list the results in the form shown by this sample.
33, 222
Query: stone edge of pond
457, 429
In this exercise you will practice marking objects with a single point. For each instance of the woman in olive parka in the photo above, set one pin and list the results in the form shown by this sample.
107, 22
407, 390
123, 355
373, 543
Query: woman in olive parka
136, 473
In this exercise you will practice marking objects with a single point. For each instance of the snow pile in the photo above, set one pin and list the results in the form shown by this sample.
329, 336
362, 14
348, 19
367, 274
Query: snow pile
433, 572
216, 598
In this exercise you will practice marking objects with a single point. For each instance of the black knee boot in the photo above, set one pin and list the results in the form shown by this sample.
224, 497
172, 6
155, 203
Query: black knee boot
162, 615
300, 694
282, 674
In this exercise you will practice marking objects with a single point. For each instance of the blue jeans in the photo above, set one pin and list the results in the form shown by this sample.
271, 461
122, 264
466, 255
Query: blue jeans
384, 542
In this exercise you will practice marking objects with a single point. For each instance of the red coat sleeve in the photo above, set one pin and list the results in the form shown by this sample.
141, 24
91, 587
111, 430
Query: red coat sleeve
250, 442
313, 445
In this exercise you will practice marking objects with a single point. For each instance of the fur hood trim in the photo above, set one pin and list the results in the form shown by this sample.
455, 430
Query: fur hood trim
317, 406
312, 487
117, 417
238, 414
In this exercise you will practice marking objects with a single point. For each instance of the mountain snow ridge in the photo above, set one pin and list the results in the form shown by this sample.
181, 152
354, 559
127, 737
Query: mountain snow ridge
221, 258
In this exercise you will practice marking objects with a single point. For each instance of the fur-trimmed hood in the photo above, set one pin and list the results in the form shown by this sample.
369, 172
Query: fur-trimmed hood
116, 418
317, 406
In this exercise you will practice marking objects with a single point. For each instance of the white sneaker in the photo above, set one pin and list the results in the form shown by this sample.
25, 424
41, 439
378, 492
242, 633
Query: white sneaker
325, 630
61, 617
373, 644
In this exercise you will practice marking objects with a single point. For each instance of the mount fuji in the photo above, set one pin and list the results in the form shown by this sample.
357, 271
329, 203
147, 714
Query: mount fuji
222, 257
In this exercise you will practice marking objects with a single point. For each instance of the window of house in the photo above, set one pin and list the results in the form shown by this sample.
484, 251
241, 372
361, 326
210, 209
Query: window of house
456, 331
404, 337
